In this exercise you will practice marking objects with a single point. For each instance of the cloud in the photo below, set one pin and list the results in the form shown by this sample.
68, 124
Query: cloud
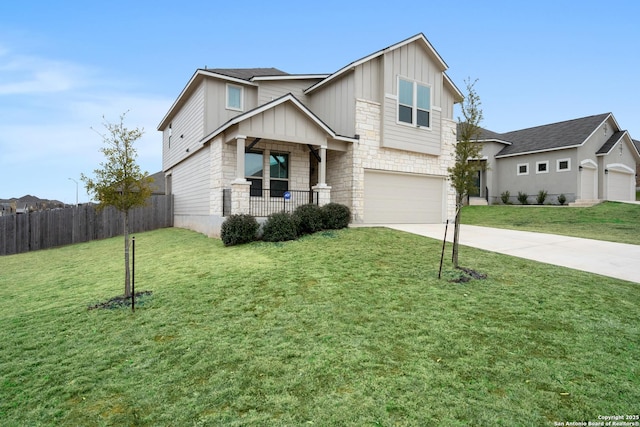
29, 75
47, 111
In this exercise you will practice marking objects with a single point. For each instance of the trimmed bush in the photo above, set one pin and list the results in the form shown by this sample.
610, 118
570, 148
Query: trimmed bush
280, 227
542, 196
505, 197
335, 216
308, 218
562, 199
239, 229
522, 198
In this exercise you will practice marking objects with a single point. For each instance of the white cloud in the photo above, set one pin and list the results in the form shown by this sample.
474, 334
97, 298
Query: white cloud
28, 75
47, 110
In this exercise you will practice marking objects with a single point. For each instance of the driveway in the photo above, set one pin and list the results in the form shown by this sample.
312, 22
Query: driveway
617, 260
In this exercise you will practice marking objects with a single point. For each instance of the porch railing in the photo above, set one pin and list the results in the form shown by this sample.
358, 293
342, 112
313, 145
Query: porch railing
264, 202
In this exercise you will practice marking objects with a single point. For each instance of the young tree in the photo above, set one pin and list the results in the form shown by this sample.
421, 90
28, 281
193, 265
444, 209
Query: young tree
119, 182
463, 173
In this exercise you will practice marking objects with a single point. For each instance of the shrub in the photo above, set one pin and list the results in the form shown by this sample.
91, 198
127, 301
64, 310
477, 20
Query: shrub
562, 199
239, 229
335, 216
505, 197
280, 227
308, 218
522, 198
541, 197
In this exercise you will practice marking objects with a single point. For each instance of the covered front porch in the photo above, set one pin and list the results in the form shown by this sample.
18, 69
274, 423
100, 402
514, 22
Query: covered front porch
275, 159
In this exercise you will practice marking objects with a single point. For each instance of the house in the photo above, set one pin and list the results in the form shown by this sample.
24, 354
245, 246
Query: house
585, 159
377, 135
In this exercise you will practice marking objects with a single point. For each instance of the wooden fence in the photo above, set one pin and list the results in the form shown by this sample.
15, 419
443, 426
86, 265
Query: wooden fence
57, 227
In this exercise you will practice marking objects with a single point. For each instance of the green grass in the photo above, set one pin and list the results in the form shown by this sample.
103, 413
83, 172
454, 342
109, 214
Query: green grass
337, 329
611, 221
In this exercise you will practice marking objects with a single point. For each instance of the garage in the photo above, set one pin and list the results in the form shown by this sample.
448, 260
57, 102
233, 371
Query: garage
620, 185
391, 197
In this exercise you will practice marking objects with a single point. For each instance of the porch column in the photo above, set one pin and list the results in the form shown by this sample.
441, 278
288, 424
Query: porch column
240, 140
322, 167
322, 189
240, 187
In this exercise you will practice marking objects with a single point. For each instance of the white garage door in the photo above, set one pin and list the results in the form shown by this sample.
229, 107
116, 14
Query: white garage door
620, 186
402, 198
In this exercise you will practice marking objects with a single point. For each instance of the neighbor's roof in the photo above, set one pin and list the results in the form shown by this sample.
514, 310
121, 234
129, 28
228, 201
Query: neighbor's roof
611, 142
555, 136
247, 73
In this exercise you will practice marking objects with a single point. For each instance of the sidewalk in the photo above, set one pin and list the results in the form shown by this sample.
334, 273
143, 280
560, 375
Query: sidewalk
618, 260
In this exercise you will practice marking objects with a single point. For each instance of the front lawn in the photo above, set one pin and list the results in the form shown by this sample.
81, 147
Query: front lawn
341, 328
611, 221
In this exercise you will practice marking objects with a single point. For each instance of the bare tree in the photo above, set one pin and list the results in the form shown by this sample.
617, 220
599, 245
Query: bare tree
119, 182
463, 173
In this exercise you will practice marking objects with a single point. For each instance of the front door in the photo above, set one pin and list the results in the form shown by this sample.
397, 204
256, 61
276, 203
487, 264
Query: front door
476, 184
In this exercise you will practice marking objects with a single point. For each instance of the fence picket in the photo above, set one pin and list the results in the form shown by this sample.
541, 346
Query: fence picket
46, 229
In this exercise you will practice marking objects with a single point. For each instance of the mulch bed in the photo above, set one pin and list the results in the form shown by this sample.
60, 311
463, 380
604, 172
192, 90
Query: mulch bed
468, 275
120, 301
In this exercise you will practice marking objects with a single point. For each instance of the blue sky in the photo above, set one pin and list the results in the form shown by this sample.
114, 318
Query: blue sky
64, 65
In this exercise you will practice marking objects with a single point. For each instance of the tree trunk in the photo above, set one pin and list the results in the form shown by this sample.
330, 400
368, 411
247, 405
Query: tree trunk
456, 235
127, 272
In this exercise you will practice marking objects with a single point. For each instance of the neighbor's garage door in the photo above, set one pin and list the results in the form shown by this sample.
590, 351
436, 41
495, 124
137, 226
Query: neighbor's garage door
402, 198
620, 186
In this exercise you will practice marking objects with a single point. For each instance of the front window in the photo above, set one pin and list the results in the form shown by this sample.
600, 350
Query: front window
253, 172
523, 169
542, 167
279, 173
414, 103
234, 97
563, 165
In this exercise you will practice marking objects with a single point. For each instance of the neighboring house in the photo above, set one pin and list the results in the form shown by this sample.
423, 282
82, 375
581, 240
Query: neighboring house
377, 135
586, 159
637, 144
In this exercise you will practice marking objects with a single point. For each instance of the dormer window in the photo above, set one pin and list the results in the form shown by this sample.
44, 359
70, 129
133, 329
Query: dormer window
414, 103
234, 97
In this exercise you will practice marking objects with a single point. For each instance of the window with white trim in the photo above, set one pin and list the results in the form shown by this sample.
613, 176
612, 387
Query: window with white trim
542, 167
563, 165
234, 97
414, 103
523, 169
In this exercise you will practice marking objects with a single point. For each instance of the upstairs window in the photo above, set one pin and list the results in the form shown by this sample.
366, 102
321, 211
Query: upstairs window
414, 103
279, 173
234, 97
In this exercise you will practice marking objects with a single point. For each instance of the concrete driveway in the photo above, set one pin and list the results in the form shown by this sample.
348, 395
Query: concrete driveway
618, 260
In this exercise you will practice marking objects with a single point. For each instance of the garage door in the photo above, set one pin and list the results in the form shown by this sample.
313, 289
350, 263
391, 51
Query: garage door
402, 198
620, 186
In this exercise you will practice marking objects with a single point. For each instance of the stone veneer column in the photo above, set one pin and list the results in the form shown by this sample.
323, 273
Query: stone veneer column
240, 196
324, 193
240, 187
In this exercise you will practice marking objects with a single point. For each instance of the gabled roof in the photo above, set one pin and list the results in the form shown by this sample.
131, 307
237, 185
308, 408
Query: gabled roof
611, 142
418, 37
272, 104
555, 136
636, 143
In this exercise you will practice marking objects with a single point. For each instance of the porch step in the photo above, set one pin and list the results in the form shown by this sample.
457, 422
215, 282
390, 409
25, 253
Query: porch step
477, 201
584, 203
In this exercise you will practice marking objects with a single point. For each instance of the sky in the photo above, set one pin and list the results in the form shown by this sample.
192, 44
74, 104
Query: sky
67, 66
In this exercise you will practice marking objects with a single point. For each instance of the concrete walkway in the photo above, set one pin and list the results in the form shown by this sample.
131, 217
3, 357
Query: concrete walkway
618, 260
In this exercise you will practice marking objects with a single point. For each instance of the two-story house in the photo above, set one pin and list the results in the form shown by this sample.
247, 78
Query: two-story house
377, 135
